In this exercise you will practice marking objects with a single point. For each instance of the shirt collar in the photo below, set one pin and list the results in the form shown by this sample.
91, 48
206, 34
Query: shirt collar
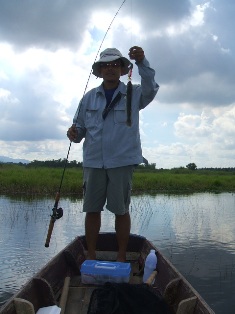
121, 88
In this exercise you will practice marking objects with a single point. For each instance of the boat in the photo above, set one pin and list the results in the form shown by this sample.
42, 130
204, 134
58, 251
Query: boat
59, 284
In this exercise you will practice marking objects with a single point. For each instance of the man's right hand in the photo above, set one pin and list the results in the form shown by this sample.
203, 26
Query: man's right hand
72, 133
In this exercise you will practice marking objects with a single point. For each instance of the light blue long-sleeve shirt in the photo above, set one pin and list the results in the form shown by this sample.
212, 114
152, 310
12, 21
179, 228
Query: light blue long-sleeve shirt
109, 142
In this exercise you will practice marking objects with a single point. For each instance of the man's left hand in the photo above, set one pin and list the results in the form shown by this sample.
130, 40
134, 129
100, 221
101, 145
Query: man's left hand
136, 53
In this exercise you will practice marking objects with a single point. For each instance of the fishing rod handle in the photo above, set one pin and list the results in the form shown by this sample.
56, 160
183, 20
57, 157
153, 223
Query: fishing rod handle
50, 229
57, 198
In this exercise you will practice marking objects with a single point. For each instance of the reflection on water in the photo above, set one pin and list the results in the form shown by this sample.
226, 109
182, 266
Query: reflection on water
196, 232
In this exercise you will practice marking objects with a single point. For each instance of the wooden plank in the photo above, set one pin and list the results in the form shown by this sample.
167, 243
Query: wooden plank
136, 276
151, 279
78, 300
112, 256
87, 298
64, 295
75, 281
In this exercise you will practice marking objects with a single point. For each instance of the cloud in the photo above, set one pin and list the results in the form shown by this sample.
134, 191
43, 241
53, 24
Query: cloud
27, 107
43, 24
215, 126
47, 49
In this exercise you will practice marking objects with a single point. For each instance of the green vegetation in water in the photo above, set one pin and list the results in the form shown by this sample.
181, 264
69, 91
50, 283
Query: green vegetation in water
21, 179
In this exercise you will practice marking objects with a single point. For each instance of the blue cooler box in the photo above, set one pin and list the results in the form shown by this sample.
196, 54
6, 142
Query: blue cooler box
99, 272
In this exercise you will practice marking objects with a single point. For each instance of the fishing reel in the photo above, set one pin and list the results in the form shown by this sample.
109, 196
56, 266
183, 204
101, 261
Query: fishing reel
57, 213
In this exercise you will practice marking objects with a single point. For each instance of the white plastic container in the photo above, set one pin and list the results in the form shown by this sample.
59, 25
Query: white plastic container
99, 272
54, 309
150, 265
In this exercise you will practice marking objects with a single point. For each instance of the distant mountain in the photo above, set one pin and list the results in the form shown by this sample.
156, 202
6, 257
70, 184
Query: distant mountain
13, 160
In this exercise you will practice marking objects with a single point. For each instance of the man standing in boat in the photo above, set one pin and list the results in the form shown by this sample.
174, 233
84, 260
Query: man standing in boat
108, 119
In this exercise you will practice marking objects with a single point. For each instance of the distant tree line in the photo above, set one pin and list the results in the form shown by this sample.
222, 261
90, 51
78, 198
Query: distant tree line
59, 163
147, 166
151, 167
72, 164
192, 166
229, 169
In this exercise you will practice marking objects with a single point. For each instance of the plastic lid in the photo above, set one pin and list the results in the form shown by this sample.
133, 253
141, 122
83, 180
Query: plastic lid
152, 251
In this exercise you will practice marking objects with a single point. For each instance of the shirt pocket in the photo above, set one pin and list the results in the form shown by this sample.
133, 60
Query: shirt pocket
91, 119
120, 114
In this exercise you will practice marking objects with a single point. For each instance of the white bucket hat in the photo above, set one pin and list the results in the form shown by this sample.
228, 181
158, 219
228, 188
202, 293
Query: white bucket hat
108, 55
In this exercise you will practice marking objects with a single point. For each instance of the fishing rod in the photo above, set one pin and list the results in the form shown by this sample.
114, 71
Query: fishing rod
57, 213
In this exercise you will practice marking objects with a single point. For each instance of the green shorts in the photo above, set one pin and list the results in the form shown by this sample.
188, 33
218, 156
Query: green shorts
107, 186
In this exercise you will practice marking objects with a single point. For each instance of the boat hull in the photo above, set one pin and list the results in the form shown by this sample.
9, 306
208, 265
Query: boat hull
46, 287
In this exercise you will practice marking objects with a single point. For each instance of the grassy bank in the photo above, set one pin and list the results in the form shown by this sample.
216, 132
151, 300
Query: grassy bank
21, 179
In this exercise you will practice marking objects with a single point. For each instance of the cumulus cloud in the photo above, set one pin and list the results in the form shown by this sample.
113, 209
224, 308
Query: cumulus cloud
47, 49
216, 125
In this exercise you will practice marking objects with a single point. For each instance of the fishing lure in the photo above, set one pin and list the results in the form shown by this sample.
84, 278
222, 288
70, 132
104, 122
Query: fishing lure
129, 97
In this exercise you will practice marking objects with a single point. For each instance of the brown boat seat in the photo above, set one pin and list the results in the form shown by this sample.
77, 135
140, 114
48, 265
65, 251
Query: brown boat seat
23, 306
36, 294
187, 306
173, 298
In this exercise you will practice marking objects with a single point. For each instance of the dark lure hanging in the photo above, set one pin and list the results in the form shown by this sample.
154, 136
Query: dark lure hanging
129, 98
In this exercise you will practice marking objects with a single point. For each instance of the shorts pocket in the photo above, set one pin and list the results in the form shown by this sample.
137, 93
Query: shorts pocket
128, 196
84, 188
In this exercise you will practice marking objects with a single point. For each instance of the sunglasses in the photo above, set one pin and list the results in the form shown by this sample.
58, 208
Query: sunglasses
110, 64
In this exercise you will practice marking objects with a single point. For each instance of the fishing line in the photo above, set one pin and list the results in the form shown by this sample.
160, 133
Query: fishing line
88, 83
58, 212
101, 44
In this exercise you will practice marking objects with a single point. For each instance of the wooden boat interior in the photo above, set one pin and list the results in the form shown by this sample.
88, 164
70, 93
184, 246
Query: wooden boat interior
59, 282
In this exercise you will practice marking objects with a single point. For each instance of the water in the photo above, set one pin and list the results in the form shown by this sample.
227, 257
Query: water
195, 232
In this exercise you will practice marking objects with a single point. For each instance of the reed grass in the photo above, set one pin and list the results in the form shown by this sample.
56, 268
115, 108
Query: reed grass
20, 179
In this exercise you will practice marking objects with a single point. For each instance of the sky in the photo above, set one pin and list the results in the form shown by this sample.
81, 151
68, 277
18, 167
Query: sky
47, 49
